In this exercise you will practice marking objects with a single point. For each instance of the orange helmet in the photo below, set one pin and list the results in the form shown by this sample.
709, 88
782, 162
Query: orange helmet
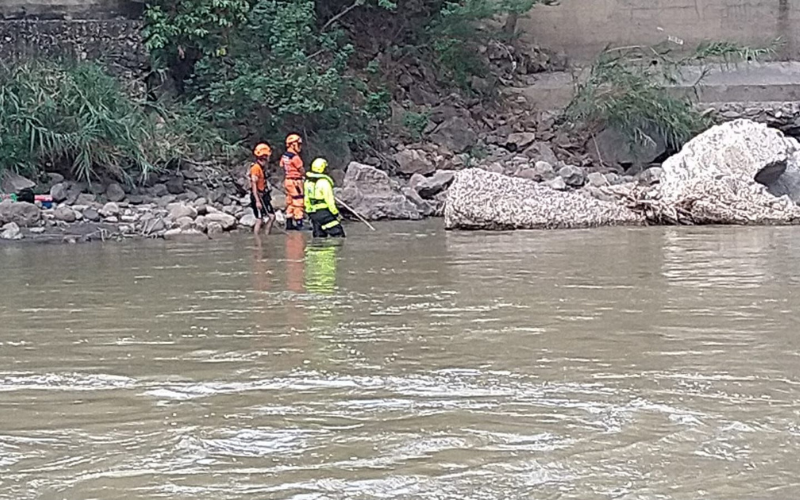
262, 150
293, 139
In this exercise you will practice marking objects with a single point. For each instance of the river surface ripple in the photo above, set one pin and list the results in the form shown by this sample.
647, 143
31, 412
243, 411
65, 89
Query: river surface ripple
658, 363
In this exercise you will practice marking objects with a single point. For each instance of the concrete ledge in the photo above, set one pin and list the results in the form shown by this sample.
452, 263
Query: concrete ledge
754, 82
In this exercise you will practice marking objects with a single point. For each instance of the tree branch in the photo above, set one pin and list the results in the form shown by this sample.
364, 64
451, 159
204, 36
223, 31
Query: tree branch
355, 5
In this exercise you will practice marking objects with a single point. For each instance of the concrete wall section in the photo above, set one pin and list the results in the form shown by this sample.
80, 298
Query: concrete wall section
582, 28
116, 43
76, 9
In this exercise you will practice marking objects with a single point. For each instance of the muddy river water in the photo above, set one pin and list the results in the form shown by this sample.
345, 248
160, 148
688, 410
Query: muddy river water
659, 363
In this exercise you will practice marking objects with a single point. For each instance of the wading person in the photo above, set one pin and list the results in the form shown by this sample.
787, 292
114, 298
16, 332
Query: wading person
320, 202
260, 199
294, 173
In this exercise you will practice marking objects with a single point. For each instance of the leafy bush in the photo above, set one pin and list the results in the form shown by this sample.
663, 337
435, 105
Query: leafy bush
627, 89
416, 123
265, 68
78, 118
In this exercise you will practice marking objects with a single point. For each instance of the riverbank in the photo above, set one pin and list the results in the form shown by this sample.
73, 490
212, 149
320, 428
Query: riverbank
741, 172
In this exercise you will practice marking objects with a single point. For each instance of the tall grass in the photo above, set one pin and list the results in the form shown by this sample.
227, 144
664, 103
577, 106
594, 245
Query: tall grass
77, 119
627, 89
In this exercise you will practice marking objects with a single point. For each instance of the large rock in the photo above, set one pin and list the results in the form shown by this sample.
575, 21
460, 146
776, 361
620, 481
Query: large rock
518, 141
611, 147
180, 210
110, 209
115, 193
59, 192
425, 208
14, 183
485, 200
372, 194
788, 182
65, 214
428, 187
455, 134
10, 231
226, 221
21, 213
573, 176
175, 185
713, 179
412, 161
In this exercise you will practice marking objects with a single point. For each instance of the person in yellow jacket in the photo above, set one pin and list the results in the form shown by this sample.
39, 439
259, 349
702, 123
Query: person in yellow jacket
320, 203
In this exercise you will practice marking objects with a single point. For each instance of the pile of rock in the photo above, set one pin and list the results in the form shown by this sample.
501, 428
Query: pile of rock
740, 172
193, 202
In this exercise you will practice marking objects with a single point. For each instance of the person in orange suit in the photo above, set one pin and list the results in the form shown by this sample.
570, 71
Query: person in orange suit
260, 200
293, 183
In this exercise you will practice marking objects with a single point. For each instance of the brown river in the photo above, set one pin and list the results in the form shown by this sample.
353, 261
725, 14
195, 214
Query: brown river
659, 363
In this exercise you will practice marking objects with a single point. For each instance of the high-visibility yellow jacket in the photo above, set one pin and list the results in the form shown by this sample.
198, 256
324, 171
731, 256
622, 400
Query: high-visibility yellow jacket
319, 193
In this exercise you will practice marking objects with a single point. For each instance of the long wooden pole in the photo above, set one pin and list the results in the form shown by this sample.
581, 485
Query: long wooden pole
358, 215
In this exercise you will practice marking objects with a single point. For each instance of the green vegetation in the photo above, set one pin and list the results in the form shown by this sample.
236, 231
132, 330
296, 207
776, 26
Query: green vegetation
627, 90
77, 118
268, 67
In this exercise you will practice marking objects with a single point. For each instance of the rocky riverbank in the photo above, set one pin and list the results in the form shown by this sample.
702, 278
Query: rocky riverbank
741, 172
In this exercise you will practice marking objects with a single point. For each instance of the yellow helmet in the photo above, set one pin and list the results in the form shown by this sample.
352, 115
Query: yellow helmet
319, 165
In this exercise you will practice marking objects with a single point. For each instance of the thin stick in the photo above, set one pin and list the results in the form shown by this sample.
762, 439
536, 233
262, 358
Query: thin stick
358, 215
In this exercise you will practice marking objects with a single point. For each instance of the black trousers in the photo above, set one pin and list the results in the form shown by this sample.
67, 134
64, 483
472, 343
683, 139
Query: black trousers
322, 218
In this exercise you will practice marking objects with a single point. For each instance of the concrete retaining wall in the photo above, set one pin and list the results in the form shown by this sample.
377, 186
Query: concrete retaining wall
582, 28
115, 43
75, 9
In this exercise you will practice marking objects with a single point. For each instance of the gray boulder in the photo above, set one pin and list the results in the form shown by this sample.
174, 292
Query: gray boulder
247, 220
712, 180
10, 231
65, 214
424, 207
91, 215
651, 176
541, 151
115, 193
214, 228
184, 222
110, 209
519, 141
59, 192
180, 210
412, 161
372, 194
21, 213
557, 183
84, 199
226, 221
11, 182
455, 134
543, 171
613, 148
573, 176
428, 187
787, 183
485, 200
596, 179
175, 185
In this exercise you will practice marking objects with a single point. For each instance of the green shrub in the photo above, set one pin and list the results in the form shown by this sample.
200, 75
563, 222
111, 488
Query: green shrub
416, 123
76, 117
627, 89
